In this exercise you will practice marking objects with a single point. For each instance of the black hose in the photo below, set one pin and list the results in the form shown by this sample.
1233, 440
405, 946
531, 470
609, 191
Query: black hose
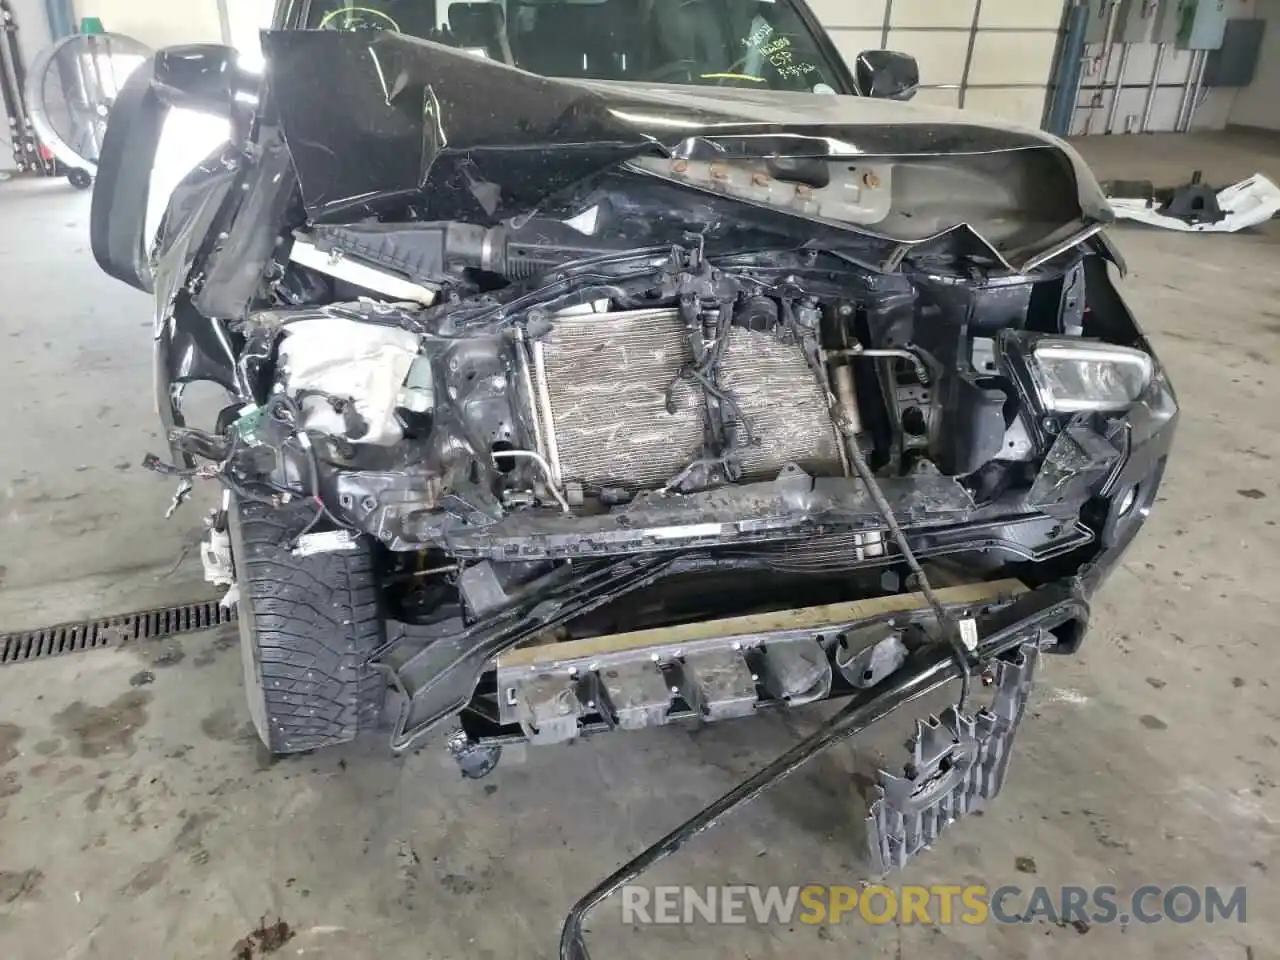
945, 624
698, 372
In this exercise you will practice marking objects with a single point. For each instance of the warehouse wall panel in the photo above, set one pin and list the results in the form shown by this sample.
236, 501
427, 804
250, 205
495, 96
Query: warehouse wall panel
933, 13
157, 23
1006, 59
1020, 15
247, 18
849, 13
1017, 105
1118, 84
1005, 48
941, 54
851, 42
938, 98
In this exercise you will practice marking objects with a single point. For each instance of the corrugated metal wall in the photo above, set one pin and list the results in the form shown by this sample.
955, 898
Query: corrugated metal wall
993, 56
155, 22
1148, 87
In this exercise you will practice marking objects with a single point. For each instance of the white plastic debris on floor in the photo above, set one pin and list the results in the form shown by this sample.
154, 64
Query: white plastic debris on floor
1248, 203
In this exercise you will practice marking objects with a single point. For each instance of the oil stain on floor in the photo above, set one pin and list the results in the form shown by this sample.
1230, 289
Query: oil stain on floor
99, 731
10, 734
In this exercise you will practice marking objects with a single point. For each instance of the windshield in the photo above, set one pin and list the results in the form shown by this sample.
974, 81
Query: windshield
746, 43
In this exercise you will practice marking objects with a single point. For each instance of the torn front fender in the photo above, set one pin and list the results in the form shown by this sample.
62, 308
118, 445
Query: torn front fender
190, 347
191, 342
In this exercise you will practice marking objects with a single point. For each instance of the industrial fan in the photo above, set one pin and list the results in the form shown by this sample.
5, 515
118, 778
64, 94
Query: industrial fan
70, 88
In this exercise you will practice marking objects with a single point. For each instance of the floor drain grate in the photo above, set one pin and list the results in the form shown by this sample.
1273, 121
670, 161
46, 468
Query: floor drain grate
110, 631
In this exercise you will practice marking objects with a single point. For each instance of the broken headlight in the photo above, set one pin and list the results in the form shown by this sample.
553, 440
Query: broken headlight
1063, 375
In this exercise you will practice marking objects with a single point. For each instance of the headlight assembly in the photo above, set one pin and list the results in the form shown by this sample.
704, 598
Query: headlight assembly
1064, 375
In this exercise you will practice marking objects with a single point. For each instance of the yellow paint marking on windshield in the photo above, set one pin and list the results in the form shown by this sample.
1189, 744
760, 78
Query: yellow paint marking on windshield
730, 76
324, 22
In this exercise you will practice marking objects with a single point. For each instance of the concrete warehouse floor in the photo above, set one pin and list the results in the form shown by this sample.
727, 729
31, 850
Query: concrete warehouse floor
142, 821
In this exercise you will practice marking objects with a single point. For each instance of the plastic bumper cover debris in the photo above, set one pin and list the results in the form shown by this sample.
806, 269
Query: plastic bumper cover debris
1195, 208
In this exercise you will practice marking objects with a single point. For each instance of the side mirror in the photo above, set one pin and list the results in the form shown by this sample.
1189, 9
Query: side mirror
199, 76
887, 75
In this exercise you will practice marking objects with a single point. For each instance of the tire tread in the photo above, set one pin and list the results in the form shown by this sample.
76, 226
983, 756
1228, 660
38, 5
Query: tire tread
315, 624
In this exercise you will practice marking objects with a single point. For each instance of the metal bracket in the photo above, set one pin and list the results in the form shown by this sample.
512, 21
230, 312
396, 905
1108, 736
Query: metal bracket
474, 760
958, 764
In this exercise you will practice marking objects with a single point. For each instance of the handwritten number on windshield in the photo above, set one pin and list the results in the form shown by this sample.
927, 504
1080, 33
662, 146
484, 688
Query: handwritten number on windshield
777, 52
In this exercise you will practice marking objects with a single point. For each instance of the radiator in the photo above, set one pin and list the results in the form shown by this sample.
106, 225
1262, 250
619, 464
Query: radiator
604, 380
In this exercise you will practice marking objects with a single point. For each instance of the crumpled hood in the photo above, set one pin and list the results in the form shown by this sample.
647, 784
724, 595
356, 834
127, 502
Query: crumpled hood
381, 119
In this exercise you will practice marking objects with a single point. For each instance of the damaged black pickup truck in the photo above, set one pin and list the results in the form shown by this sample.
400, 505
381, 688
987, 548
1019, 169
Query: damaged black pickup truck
599, 365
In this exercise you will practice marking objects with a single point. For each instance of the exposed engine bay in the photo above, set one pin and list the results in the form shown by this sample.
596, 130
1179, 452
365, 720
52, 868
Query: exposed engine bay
810, 348
775, 428
656, 399
495, 405
621, 403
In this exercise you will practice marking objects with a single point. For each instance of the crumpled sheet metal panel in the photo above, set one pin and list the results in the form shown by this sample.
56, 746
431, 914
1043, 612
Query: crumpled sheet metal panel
379, 118
608, 376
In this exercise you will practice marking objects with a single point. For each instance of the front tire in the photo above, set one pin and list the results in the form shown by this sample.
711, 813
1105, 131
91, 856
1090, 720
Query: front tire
307, 627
